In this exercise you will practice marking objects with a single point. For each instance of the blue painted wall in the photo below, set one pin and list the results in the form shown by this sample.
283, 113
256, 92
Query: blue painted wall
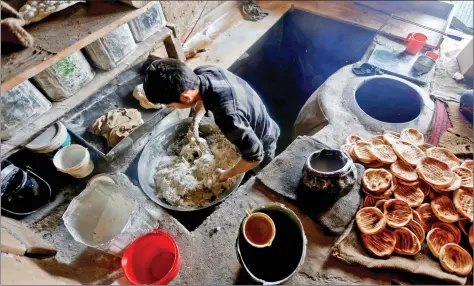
294, 58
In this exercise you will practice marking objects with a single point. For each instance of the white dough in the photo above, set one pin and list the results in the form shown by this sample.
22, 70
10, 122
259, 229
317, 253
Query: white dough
183, 180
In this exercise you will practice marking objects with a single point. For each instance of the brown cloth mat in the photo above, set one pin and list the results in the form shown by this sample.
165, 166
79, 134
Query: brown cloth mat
349, 248
459, 137
283, 176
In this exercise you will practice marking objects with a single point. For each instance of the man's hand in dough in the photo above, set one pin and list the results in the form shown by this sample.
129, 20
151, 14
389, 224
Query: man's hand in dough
193, 134
221, 175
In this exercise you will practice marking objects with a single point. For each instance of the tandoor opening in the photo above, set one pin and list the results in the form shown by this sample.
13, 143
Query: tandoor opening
389, 100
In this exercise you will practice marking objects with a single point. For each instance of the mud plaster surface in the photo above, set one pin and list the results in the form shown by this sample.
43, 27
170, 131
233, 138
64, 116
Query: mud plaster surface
185, 13
343, 122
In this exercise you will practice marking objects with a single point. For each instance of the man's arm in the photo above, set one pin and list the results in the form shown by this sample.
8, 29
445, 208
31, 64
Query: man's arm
241, 167
194, 128
237, 130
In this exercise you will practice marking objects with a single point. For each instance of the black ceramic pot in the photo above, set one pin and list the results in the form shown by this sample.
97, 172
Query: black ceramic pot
329, 172
23, 192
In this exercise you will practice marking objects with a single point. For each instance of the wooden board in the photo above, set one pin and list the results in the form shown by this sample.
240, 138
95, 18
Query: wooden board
63, 33
347, 11
60, 108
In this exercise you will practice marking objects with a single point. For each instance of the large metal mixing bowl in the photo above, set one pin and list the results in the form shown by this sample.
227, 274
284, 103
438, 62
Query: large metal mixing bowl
155, 150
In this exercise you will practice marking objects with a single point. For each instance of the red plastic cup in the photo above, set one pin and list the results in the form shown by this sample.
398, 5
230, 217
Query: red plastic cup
152, 258
432, 55
415, 42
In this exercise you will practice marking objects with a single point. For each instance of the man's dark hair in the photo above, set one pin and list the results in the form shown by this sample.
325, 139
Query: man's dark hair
166, 79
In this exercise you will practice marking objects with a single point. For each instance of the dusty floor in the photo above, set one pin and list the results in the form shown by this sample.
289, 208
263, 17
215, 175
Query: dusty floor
208, 252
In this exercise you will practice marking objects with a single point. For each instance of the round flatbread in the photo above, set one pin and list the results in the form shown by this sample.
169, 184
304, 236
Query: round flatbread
375, 164
456, 184
444, 209
417, 229
362, 152
407, 243
413, 196
397, 213
353, 139
416, 217
370, 220
455, 259
379, 204
408, 153
390, 139
435, 172
466, 177
377, 180
377, 140
467, 164
383, 153
406, 183
380, 244
369, 201
346, 148
427, 216
404, 171
424, 187
464, 203
449, 227
437, 238
471, 238
352, 154
412, 136
464, 225
444, 155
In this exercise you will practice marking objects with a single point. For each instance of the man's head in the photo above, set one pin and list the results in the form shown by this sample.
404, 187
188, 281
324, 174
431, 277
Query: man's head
171, 82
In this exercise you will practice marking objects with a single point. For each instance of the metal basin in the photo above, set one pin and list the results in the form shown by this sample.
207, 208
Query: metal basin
156, 148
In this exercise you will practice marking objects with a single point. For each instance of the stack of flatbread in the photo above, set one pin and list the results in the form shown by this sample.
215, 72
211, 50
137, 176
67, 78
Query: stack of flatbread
414, 194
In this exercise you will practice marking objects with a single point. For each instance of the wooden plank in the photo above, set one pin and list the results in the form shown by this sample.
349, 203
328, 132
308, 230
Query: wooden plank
210, 18
64, 33
60, 108
348, 12
229, 37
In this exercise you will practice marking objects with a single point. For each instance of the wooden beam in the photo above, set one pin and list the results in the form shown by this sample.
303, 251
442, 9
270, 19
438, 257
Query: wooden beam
30, 62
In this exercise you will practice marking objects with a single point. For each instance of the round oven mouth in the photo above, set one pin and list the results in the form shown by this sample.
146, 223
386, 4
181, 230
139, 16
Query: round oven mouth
389, 100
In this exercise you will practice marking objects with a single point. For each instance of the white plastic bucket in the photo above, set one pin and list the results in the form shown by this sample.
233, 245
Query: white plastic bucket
74, 160
52, 139
103, 217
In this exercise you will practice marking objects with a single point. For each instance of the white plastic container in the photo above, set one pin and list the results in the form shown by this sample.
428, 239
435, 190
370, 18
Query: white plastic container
103, 217
51, 140
20, 106
74, 160
147, 23
109, 51
65, 77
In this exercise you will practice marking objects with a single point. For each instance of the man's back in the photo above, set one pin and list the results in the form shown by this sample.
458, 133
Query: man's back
238, 110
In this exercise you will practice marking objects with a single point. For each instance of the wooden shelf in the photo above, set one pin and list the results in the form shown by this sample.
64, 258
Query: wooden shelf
63, 33
59, 109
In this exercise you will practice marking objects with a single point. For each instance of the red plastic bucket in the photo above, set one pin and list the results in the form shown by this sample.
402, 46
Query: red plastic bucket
152, 258
415, 42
